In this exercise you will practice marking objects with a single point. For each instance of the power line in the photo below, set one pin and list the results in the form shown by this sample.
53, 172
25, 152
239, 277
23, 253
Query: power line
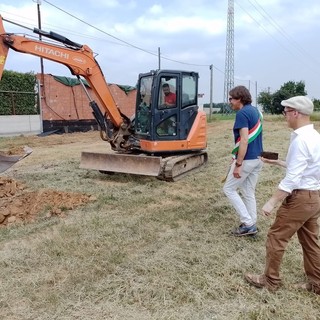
123, 41
98, 29
261, 26
119, 41
279, 29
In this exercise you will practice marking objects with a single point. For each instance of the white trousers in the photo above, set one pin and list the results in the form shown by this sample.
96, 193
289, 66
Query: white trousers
245, 205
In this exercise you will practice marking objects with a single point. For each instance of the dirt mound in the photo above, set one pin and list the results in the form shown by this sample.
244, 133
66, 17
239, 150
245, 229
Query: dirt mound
13, 151
17, 204
9, 187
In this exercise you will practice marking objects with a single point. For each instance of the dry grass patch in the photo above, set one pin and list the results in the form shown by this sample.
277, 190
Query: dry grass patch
145, 249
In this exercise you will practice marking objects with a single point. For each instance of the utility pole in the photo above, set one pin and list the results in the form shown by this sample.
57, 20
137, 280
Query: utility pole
211, 89
40, 37
41, 87
229, 62
159, 59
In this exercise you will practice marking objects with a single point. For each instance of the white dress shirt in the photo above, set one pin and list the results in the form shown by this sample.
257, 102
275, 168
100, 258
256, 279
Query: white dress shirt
303, 160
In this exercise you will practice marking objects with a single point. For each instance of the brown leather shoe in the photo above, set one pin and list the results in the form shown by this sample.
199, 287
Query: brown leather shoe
305, 286
259, 281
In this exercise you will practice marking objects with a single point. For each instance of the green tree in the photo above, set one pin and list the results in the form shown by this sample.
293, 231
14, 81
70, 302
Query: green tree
277, 97
271, 103
316, 103
265, 100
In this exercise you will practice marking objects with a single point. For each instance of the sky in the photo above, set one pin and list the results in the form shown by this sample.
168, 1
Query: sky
275, 41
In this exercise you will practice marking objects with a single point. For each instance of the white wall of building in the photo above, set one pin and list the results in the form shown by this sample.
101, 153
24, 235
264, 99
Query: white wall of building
17, 125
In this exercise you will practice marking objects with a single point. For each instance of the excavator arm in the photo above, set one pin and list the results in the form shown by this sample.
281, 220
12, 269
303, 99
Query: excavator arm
79, 59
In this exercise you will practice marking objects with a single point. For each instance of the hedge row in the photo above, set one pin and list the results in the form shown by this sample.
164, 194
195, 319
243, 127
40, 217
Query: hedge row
17, 93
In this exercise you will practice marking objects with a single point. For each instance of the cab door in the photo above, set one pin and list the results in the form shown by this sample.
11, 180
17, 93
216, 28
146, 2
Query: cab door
173, 121
167, 107
189, 102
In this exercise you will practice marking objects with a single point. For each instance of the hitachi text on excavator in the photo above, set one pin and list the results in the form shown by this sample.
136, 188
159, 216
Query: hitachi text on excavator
167, 136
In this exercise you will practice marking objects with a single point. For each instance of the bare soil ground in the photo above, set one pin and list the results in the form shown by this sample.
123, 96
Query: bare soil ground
18, 202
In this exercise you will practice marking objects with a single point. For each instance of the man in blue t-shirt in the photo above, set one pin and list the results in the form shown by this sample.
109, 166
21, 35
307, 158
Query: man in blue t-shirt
246, 166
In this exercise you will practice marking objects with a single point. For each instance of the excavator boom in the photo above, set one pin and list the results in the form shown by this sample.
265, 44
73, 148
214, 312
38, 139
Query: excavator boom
79, 59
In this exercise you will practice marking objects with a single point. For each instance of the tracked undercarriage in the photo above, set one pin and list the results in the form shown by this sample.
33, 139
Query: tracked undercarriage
168, 168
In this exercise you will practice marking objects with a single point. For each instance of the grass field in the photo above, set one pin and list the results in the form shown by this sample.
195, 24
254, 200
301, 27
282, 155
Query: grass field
145, 249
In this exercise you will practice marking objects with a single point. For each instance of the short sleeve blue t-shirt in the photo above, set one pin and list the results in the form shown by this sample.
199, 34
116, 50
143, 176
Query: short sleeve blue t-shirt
248, 117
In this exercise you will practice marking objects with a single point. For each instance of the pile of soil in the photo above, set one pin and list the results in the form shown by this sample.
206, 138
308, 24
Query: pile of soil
13, 151
17, 204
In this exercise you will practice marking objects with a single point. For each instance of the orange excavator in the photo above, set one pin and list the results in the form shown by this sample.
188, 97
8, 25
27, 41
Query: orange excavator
167, 136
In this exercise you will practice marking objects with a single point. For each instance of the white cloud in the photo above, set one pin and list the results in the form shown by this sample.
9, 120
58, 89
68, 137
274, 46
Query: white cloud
103, 3
180, 24
156, 9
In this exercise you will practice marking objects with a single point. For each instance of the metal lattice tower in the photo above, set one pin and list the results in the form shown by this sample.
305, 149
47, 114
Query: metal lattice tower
229, 63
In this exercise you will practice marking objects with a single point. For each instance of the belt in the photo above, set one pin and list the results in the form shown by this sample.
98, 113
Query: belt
304, 191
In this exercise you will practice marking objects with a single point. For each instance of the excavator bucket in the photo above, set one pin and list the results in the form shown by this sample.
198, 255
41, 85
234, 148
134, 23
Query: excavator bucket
7, 160
123, 163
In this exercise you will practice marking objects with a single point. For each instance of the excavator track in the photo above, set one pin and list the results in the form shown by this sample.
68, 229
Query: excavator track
171, 168
176, 167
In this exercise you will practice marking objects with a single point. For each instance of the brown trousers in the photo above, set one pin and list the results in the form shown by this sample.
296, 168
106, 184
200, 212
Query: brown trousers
299, 214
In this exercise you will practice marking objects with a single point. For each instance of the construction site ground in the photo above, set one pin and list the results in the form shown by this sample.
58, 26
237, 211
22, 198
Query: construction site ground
79, 244
22, 199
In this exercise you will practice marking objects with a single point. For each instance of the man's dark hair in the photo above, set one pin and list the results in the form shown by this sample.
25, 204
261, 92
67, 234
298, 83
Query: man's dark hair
242, 93
165, 85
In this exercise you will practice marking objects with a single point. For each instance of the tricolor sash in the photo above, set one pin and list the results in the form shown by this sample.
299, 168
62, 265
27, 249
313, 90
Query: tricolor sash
253, 133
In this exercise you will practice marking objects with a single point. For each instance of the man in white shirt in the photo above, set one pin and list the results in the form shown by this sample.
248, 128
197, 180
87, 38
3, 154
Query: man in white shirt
299, 192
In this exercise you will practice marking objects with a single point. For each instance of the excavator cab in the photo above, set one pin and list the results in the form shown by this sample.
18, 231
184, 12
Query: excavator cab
167, 111
166, 105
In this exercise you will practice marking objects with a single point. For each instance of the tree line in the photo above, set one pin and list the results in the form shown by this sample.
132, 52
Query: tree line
271, 102
16, 95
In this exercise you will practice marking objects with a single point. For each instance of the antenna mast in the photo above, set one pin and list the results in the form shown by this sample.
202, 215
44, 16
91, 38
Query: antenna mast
229, 62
